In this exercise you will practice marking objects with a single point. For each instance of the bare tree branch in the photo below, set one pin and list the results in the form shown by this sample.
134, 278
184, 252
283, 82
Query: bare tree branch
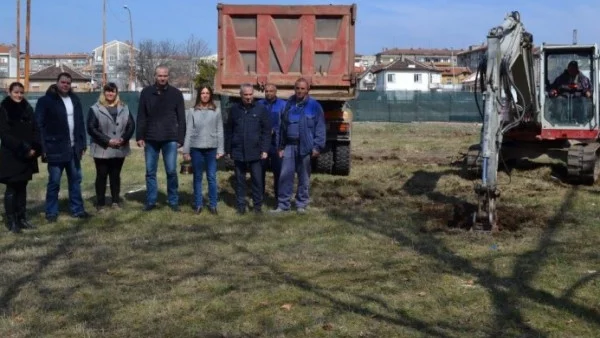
181, 58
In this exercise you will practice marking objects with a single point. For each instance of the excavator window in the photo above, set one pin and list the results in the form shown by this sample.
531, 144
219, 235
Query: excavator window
569, 80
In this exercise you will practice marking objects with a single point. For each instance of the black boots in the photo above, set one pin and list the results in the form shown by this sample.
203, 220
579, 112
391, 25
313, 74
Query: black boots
12, 224
23, 222
15, 209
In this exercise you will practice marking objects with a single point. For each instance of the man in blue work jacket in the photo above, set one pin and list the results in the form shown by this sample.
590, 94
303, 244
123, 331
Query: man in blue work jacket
274, 106
301, 136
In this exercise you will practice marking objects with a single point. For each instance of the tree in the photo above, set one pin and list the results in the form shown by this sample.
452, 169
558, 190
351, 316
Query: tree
180, 58
206, 74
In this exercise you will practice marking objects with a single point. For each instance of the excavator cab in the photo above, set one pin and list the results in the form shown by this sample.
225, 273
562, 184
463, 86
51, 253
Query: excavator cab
569, 96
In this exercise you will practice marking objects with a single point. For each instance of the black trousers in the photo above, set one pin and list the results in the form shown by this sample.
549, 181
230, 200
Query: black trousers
255, 168
15, 199
111, 168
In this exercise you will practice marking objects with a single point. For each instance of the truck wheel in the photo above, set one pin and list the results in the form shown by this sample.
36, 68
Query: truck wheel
341, 165
324, 163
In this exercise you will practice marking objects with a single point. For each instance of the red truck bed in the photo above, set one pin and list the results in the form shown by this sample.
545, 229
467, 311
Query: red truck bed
278, 44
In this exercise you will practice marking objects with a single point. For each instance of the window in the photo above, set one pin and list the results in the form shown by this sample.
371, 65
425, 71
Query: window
391, 78
418, 78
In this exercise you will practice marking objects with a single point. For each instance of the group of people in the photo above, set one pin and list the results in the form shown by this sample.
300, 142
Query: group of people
281, 134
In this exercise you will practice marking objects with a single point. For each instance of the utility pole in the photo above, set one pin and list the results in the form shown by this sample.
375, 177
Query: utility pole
104, 44
452, 61
27, 31
131, 60
18, 40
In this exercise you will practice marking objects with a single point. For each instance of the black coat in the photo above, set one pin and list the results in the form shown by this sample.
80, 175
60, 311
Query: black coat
247, 132
161, 115
51, 116
19, 134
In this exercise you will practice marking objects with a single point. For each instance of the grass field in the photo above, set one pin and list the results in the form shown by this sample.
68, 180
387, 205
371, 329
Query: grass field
376, 256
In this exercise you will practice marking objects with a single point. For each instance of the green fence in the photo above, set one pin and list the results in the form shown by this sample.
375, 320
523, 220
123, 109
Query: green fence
409, 106
391, 106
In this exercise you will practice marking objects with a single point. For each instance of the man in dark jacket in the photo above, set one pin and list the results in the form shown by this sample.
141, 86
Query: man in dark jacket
302, 136
274, 106
571, 94
161, 128
62, 128
248, 137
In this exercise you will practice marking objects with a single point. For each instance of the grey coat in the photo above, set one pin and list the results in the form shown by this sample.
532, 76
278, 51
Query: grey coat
204, 130
102, 127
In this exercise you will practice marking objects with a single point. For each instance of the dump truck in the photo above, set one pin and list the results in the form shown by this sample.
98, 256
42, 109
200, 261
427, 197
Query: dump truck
278, 44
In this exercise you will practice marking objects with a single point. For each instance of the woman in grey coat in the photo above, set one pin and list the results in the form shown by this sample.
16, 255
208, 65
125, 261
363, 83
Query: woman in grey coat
110, 126
203, 145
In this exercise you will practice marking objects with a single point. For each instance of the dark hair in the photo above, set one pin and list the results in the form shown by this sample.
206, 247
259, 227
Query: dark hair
573, 64
211, 103
15, 84
111, 87
65, 74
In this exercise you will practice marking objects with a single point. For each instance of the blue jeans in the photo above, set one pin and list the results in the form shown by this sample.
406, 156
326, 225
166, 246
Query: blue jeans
293, 164
169, 151
74, 177
273, 162
204, 160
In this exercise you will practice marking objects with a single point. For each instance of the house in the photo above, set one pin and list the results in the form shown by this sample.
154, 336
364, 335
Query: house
365, 61
407, 75
437, 56
37, 62
40, 81
8, 64
367, 78
117, 63
452, 77
471, 57
213, 58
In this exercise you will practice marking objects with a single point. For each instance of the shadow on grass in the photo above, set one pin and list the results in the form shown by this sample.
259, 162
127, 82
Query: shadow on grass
507, 293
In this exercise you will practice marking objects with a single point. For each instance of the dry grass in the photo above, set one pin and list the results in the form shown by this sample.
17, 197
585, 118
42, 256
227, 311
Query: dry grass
375, 257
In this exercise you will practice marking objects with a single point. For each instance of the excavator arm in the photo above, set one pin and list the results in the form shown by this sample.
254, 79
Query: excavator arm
510, 99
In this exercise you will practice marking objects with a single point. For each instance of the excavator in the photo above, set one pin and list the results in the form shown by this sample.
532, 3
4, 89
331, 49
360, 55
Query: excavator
541, 108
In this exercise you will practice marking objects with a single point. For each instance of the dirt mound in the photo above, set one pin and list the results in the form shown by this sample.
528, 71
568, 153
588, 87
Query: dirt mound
510, 218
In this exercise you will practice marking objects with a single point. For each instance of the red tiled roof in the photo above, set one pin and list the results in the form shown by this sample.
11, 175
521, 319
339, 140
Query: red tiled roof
449, 70
5, 48
50, 73
419, 51
407, 65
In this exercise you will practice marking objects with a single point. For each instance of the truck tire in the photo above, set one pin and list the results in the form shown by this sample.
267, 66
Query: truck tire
324, 163
341, 166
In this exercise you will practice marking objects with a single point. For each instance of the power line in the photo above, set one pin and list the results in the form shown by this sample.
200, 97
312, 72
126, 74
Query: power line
114, 14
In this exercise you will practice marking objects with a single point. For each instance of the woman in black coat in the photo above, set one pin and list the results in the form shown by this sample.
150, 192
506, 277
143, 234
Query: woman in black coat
19, 150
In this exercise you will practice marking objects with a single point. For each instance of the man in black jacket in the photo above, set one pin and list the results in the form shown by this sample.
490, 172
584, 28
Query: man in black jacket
161, 128
248, 137
62, 128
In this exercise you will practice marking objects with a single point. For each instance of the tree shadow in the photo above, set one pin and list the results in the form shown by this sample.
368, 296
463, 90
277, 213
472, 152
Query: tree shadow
506, 292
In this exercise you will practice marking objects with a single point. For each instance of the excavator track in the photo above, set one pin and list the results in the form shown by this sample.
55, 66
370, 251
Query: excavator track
583, 164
